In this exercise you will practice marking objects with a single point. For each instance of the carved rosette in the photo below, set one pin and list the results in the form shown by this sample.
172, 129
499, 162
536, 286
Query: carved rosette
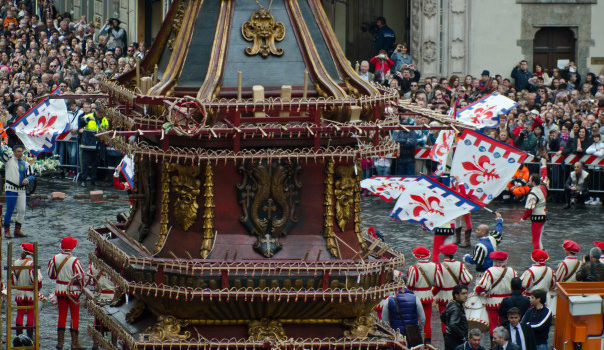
263, 31
268, 195
429, 51
208, 212
430, 8
328, 214
357, 207
165, 208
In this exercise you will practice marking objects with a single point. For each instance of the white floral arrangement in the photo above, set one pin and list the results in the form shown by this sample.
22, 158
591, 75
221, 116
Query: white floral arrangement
39, 166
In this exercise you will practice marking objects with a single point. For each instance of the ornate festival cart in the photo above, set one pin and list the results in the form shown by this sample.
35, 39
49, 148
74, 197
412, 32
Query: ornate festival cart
245, 123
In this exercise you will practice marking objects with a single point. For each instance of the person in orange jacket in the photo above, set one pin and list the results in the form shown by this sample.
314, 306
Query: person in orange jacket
519, 185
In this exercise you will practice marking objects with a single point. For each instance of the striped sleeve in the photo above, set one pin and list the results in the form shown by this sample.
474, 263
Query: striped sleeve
438, 276
560, 272
479, 254
465, 277
526, 278
52, 272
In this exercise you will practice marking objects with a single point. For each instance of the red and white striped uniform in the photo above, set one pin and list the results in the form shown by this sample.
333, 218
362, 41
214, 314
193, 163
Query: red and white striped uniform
444, 282
24, 278
533, 274
567, 269
71, 269
416, 282
502, 290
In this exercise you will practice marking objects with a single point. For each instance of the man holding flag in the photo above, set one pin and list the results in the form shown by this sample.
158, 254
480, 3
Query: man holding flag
18, 174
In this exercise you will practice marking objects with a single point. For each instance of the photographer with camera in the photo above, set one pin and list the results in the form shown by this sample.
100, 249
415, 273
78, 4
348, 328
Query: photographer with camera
383, 64
116, 36
401, 58
384, 37
577, 186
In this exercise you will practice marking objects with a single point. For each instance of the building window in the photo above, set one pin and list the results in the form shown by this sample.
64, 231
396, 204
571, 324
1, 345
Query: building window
552, 44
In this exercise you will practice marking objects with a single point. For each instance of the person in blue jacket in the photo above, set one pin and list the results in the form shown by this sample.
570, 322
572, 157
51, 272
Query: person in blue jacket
487, 243
405, 309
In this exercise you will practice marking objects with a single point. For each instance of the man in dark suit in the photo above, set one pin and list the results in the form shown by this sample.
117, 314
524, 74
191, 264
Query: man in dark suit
515, 300
501, 338
520, 334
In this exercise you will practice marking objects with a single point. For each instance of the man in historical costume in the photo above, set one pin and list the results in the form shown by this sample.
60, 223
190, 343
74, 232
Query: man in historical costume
449, 274
64, 268
538, 276
487, 243
576, 187
420, 279
496, 285
535, 209
18, 174
25, 296
567, 268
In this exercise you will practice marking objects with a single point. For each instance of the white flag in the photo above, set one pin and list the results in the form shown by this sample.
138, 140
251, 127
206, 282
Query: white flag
431, 204
40, 127
485, 112
441, 149
484, 165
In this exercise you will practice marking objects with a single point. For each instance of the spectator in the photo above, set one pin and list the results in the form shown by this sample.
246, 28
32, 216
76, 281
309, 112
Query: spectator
501, 338
473, 342
401, 58
405, 78
583, 141
576, 187
593, 269
455, 320
365, 73
539, 318
597, 147
520, 333
116, 36
384, 38
485, 84
516, 300
521, 75
406, 314
405, 163
382, 64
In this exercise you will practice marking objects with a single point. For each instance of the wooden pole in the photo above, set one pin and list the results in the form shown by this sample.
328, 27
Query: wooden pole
305, 94
9, 289
36, 299
238, 85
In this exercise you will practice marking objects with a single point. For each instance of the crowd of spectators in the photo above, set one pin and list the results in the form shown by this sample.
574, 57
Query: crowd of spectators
39, 53
559, 110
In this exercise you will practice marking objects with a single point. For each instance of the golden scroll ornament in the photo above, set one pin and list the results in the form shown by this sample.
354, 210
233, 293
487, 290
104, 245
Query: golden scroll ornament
263, 31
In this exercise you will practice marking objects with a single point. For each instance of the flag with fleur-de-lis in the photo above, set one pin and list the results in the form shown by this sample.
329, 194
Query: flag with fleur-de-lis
485, 112
484, 165
430, 203
40, 127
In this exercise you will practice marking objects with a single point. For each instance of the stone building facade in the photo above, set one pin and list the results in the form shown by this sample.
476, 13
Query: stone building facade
445, 37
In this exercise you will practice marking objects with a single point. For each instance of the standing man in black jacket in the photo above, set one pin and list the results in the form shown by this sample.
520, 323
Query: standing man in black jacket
454, 318
539, 318
405, 163
520, 334
516, 300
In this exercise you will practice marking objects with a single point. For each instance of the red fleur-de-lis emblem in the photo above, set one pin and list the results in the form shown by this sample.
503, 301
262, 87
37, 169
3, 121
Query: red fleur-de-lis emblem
43, 126
444, 147
390, 187
482, 113
430, 205
479, 170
